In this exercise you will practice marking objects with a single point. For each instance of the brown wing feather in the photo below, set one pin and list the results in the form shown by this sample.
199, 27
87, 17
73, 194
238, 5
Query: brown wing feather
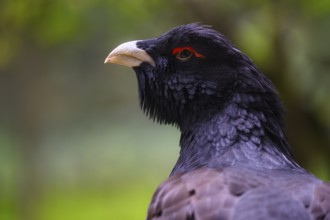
320, 208
219, 194
192, 196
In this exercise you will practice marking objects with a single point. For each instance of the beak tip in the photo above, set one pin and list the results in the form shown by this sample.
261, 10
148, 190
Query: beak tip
107, 60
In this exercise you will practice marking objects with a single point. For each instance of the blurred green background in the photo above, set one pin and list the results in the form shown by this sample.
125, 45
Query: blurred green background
73, 142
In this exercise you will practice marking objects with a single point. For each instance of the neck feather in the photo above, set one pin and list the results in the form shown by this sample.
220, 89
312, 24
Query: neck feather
246, 131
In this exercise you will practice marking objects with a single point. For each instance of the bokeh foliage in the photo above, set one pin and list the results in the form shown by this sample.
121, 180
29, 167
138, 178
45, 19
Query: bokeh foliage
73, 142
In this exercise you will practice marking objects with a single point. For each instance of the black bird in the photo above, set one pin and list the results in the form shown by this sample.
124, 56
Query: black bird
235, 161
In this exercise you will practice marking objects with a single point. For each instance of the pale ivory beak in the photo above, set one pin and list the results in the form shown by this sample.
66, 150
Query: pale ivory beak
128, 54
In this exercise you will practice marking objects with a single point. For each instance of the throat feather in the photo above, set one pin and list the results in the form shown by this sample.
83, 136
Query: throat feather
238, 134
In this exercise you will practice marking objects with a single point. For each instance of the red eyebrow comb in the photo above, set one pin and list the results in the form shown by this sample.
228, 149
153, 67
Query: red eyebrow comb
179, 49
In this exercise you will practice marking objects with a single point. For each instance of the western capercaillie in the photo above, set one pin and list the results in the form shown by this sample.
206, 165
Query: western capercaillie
235, 161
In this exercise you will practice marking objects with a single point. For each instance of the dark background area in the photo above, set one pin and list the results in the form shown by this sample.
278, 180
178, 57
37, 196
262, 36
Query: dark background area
73, 141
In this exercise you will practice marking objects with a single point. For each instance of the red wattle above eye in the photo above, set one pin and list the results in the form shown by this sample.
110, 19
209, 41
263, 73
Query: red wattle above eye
179, 49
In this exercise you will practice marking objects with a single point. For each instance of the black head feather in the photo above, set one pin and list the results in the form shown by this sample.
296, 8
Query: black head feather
174, 88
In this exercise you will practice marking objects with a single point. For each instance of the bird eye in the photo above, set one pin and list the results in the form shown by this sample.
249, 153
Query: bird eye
184, 55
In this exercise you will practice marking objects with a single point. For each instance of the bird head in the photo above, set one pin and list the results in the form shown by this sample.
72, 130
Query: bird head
189, 71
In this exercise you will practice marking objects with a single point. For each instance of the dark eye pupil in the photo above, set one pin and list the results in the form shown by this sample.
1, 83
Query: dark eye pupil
185, 54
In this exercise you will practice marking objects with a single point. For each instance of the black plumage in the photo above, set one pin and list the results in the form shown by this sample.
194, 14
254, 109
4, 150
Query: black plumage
235, 161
